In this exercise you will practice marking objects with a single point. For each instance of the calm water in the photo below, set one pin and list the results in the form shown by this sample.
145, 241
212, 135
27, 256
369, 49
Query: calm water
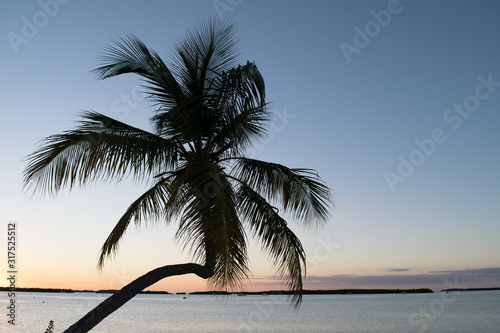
473, 311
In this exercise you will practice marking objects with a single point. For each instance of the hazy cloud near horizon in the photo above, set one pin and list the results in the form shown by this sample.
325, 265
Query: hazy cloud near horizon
448, 279
462, 277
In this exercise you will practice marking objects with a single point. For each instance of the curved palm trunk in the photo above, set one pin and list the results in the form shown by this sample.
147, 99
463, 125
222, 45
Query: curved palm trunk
118, 299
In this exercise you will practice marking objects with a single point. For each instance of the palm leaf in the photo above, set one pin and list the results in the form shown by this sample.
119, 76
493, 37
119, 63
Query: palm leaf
101, 148
277, 239
130, 55
299, 191
208, 49
198, 59
211, 217
149, 207
237, 97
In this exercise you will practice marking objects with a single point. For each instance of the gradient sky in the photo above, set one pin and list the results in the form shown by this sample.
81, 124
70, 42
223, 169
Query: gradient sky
395, 104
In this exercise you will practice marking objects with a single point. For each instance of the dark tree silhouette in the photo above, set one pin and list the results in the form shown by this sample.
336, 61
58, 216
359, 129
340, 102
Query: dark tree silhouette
209, 111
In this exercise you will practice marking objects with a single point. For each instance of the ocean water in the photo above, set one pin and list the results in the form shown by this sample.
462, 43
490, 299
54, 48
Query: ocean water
471, 311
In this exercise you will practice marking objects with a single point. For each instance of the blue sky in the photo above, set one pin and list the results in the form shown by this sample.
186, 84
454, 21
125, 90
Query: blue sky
404, 130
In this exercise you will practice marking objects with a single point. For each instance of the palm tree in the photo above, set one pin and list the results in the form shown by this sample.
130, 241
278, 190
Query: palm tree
209, 111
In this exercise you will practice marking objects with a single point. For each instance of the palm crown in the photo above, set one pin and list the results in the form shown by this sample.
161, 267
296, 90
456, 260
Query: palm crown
209, 111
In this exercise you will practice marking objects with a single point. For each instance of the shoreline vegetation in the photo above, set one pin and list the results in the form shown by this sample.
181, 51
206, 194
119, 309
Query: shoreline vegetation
269, 292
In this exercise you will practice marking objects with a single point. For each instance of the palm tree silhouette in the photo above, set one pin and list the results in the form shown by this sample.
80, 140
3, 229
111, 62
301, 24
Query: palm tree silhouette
209, 111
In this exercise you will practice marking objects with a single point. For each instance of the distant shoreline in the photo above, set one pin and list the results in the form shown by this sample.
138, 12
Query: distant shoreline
269, 292
471, 289
322, 292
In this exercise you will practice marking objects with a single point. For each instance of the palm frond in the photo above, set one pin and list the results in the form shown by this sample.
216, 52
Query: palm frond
299, 191
207, 49
131, 55
211, 217
237, 98
101, 148
198, 59
150, 207
277, 239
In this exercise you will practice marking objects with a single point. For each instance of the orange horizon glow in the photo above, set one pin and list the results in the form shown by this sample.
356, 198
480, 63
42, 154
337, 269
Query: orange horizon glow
192, 283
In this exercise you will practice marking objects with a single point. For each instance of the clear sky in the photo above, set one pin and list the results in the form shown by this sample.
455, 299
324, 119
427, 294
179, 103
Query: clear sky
394, 103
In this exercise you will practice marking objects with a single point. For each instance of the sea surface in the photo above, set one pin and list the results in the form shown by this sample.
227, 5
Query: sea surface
465, 311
